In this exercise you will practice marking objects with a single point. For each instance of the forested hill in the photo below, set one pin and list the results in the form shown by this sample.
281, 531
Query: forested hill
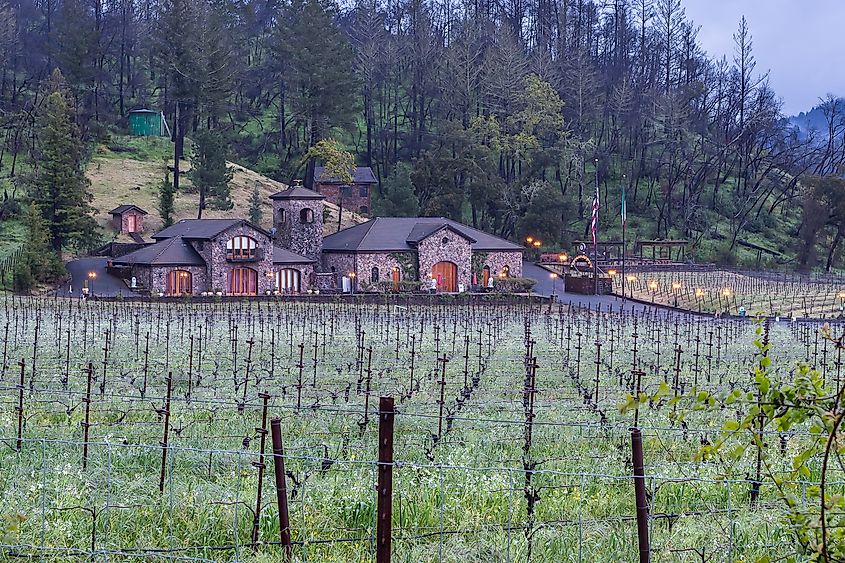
495, 113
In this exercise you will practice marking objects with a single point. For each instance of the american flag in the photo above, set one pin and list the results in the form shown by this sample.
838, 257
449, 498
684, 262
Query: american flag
594, 224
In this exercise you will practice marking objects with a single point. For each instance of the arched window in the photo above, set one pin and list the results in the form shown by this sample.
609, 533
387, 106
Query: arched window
241, 248
306, 215
374, 275
288, 280
363, 210
506, 271
179, 282
282, 216
243, 281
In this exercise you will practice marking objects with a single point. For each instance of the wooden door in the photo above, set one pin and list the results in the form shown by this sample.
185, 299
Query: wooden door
485, 276
446, 274
243, 281
131, 226
397, 277
179, 282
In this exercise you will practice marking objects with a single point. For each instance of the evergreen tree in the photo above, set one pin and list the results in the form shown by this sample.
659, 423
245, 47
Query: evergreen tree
319, 68
209, 172
38, 263
60, 188
255, 213
166, 195
397, 197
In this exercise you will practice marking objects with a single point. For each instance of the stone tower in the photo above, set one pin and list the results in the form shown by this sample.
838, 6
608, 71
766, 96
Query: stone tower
298, 219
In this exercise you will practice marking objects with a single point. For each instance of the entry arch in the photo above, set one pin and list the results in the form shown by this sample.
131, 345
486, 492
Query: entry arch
446, 275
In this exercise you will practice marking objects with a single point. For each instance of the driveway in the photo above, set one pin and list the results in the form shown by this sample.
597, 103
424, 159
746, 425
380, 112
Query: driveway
547, 286
104, 285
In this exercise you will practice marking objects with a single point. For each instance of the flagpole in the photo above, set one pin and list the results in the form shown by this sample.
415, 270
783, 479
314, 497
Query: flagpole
596, 236
624, 228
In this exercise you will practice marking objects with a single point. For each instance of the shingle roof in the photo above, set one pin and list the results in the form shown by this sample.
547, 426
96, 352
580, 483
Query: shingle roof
126, 207
285, 256
360, 175
202, 229
391, 234
169, 252
297, 192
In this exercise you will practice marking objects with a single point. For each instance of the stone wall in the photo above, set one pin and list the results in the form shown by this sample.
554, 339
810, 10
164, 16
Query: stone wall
446, 246
352, 199
498, 260
214, 254
158, 278
305, 239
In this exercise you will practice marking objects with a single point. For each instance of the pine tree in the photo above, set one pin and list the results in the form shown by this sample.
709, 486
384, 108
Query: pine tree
166, 195
60, 189
397, 197
255, 214
209, 172
38, 263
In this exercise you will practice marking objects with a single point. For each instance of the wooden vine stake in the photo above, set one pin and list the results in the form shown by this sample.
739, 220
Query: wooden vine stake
281, 485
385, 479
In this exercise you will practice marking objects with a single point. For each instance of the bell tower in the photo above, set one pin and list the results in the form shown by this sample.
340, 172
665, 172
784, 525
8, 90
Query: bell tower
298, 219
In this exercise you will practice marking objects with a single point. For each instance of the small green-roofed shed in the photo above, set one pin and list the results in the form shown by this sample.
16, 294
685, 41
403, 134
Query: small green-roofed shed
145, 123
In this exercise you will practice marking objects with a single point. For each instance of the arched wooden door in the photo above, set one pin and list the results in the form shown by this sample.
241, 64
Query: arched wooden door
446, 274
485, 276
243, 281
179, 282
396, 276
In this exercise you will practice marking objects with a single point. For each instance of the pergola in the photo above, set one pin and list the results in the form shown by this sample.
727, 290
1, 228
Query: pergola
662, 249
608, 250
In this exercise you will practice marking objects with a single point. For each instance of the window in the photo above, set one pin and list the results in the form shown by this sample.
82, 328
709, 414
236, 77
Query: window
179, 282
241, 248
445, 241
288, 280
363, 210
364, 191
344, 190
306, 216
282, 216
243, 281
374, 275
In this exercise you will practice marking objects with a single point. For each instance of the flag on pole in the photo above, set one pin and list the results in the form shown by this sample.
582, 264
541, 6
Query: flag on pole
624, 210
595, 221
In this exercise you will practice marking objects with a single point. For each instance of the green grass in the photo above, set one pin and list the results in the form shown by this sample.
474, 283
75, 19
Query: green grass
152, 149
470, 483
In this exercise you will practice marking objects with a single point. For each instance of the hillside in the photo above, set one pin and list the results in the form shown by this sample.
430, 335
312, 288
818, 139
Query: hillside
130, 170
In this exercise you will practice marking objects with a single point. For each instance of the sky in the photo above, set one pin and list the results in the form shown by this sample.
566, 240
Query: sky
800, 42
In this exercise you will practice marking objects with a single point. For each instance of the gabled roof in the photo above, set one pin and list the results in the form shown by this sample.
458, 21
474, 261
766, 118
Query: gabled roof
285, 256
360, 175
142, 110
169, 252
297, 192
392, 234
203, 229
126, 207
422, 231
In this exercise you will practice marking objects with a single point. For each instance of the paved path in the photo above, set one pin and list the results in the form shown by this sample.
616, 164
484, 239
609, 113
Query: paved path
104, 285
547, 286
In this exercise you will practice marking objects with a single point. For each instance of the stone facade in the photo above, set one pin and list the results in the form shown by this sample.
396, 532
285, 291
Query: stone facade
446, 246
355, 197
417, 266
158, 275
306, 275
497, 261
303, 238
214, 254
363, 263
121, 222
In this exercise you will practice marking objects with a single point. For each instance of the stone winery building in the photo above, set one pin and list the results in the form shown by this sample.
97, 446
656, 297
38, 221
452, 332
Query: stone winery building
235, 257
